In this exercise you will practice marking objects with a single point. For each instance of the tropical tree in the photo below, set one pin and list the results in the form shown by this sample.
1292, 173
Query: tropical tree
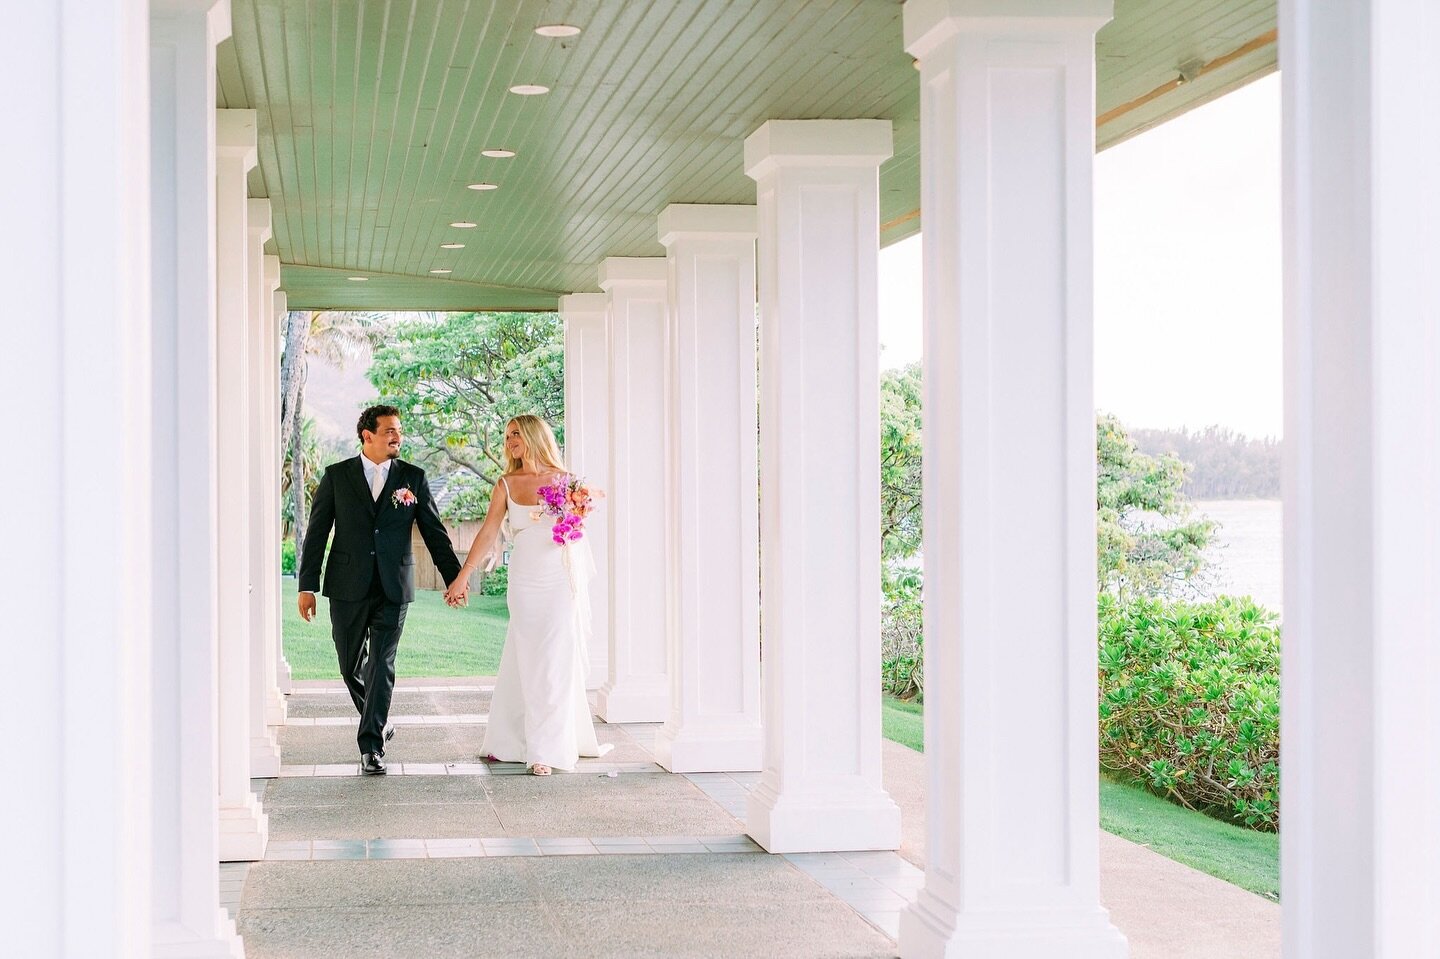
1150, 541
900, 462
338, 337
461, 378
308, 472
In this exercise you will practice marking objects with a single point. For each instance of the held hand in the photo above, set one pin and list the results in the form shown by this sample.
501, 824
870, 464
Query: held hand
459, 592
307, 606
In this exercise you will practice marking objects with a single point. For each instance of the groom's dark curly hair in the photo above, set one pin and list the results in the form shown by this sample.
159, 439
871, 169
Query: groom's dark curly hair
370, 419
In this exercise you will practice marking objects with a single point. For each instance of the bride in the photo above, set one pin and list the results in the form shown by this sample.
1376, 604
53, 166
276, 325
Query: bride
539, 714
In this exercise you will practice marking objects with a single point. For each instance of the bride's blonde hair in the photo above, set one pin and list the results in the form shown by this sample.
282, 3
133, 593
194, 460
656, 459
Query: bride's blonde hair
540, 447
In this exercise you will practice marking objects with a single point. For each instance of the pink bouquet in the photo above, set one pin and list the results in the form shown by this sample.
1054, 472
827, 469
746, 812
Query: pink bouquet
569, 502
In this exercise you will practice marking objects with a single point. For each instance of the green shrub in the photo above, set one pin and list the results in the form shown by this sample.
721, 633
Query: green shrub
495, 582
287, 557
902, 640
1190, 703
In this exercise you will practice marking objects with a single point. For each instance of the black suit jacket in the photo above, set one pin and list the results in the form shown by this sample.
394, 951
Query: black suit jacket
372, 534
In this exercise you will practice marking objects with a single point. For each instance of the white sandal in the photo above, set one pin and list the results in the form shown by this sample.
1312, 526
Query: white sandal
535, 770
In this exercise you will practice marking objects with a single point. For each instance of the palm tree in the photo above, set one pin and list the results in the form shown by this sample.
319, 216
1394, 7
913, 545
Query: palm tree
337, 337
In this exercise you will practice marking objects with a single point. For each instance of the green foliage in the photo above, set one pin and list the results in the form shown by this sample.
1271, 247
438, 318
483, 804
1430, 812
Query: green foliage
902, 640
1149, 541
469, 497
496, 582
460, 378
313, 458
1190, 702
902, 654
900, 528
287, 557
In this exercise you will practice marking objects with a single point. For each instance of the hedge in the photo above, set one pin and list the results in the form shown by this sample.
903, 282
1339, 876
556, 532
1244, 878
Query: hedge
1190, 703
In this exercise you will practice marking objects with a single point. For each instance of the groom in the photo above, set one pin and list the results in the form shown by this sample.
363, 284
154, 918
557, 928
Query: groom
371, 501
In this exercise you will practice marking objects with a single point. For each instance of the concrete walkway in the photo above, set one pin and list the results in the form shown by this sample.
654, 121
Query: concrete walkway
449, 856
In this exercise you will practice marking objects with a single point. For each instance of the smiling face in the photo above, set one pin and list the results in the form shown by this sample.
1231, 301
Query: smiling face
384, 443
515, 446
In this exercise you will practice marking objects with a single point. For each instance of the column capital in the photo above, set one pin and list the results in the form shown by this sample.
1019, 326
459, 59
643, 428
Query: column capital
579, 305
235, 136
257, 216
711, 221
817, 143
929, 23
272, 272
631, 269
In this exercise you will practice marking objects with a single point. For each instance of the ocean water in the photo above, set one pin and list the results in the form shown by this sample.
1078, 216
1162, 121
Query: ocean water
1245, 557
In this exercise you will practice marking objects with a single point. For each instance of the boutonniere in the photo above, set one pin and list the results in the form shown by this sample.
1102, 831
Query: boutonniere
402, 497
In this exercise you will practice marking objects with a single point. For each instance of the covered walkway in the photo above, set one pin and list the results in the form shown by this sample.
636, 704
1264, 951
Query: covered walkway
450, 856
153, 241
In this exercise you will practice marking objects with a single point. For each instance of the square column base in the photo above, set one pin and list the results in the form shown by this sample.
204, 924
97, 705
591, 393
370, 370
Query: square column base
276, 708
283, 677
174, 941
839, 821
244, 831
264, 756
633, 701
697, 748
931, 929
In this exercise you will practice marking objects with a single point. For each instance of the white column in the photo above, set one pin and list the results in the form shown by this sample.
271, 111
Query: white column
267, 443
264, 750
714, 657
75, 266
1008, 108
188, 920
280, 305
1360, 837
244, 826
587, 448
638, 689
818, 190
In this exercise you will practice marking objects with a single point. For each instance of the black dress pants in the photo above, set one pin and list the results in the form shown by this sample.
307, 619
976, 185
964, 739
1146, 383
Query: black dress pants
367, 634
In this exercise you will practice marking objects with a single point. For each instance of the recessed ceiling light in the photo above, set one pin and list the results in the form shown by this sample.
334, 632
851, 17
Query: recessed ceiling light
529, 89
558, 30
452, 246
464, 225
439, 271
498, 154
357, 279
482, 186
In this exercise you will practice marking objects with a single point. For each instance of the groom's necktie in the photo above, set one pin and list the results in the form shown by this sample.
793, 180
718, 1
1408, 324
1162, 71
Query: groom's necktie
377, 483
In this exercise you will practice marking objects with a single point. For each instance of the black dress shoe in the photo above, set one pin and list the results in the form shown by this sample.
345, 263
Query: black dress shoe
371, 764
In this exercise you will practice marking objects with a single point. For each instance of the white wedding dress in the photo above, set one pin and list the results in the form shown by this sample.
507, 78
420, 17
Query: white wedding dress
539, 712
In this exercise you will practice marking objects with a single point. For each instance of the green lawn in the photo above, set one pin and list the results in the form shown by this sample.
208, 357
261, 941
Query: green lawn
1249, 859
438, 640
903, 722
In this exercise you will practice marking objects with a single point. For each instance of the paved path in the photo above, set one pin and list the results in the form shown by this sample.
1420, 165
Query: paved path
450, 856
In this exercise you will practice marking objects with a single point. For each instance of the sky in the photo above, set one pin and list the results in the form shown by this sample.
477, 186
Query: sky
1187, 272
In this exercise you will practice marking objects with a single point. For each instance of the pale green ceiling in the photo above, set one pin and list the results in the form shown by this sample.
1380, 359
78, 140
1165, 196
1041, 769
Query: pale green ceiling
373, 113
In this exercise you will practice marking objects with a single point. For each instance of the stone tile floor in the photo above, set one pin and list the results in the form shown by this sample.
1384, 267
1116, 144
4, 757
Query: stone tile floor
451, 856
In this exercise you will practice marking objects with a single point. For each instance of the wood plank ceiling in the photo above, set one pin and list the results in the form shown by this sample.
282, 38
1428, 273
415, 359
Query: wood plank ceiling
373, 115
